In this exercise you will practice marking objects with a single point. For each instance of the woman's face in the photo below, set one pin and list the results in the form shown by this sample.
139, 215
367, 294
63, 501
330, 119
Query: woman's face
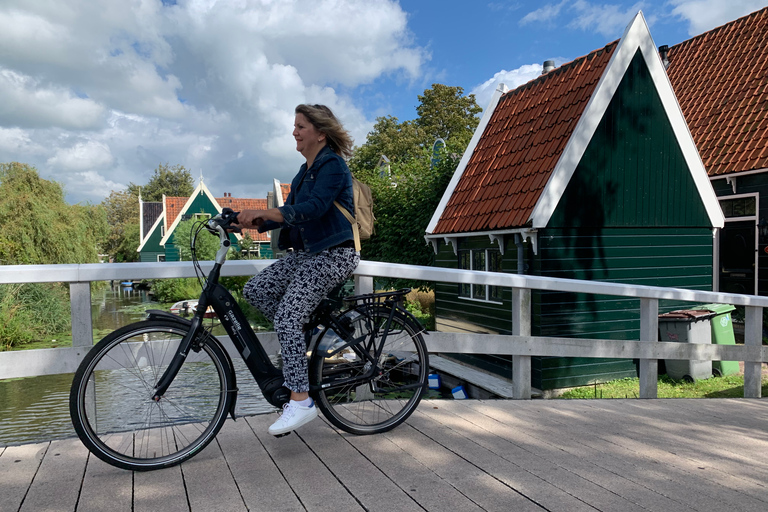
309, 141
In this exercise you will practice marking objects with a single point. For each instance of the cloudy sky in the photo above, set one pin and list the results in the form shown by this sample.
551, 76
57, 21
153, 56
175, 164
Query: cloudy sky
96, 93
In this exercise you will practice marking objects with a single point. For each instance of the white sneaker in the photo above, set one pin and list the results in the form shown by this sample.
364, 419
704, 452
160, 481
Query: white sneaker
294, 415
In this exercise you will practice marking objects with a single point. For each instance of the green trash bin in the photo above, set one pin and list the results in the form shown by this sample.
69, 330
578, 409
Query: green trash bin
722, 334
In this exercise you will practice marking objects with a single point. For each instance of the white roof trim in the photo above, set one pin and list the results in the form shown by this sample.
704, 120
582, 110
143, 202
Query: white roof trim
200, 190
500, 90
737, 174
278, 193
636, 36
160, 218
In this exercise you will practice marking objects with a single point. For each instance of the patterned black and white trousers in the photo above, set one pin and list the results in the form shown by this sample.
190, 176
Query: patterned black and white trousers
288, 291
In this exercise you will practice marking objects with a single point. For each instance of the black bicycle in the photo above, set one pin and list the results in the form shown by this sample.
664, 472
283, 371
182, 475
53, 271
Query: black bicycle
154, 393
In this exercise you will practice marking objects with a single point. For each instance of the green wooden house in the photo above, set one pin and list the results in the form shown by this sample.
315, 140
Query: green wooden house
151, 231
720, 78
159, 243
587, 172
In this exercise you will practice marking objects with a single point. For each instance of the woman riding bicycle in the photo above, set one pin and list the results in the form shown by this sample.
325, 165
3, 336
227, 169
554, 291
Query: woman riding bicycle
320, 244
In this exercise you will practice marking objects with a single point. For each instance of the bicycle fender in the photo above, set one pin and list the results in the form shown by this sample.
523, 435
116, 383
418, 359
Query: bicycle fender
159, 314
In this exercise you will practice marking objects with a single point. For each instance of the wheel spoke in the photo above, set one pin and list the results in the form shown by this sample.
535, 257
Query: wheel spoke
111, 401
398, 367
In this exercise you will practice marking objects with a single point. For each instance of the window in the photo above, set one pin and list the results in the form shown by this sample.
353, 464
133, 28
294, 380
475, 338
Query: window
739, 207
202, 216
480, 259
160, 257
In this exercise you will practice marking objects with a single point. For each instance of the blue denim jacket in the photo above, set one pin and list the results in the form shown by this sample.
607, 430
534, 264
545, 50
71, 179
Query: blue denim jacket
309, 208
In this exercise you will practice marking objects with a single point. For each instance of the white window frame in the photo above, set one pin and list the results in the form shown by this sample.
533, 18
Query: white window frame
485, 295
755, 218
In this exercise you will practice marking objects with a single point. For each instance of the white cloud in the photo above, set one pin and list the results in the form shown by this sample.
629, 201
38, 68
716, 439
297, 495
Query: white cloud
105, 91
512, 79
82, 156
29, 103
608, 20
544, 13
704, 15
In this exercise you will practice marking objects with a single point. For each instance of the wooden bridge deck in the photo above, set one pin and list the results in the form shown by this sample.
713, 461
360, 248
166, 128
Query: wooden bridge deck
556, 455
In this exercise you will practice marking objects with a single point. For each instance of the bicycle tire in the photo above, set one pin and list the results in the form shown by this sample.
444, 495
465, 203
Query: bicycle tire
111, 403
389, 396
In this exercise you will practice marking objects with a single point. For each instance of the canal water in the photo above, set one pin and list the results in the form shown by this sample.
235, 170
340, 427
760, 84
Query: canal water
36, 409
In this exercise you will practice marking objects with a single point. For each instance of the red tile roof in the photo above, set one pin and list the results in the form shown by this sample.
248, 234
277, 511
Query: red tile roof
239, 204
173, 206
720, 79
520, 146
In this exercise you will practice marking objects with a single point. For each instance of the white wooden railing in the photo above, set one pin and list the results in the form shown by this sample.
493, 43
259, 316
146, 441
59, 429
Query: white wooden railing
520, 344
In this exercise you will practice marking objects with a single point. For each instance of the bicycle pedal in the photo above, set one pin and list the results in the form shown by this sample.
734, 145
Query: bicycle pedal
283, 435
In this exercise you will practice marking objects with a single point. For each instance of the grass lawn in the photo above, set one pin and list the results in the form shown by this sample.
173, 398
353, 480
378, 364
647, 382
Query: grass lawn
731, 386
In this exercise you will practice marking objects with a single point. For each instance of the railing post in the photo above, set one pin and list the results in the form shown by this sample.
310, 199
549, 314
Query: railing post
649, 332
753, 335
363, 284
80, 307
521, 326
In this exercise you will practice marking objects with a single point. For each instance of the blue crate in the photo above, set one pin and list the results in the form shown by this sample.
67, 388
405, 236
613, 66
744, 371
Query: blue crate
459, 393
434, 381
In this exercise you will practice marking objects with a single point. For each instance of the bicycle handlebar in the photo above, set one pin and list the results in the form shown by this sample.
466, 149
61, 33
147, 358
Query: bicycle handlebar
220, 225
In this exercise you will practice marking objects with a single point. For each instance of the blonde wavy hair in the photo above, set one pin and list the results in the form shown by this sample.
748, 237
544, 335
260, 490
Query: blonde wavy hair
325, 122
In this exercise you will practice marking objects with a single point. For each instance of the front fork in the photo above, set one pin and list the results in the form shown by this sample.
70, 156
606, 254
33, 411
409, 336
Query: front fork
181, 354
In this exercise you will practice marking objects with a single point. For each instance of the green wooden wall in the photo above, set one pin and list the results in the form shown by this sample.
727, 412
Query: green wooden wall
152, 248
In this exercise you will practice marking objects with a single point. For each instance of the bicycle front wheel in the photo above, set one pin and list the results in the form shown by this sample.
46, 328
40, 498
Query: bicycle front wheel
111, 401
385, 398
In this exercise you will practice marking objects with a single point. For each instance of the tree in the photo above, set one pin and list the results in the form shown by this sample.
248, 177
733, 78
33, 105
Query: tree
404, 203
122, 210
37, 226
443, 112
206, 244
389, 137
406, 198
167, 180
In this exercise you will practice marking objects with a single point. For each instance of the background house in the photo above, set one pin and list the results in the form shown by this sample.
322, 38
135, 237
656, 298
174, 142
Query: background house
158, 240
721, 81
586, 172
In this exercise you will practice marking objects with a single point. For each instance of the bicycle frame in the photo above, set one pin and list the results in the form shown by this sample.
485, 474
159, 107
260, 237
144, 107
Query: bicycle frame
266, 375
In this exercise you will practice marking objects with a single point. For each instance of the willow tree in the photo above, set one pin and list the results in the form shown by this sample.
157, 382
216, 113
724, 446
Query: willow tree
38, 226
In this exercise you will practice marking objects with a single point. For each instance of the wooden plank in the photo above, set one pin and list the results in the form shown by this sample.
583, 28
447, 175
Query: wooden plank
426, 441
460, 436
309, 479
372, 488
650, 455
578, 347
159, 490
641, 444
261, 485
56, 485
18, 467
105, 487
530, 466
209, 483
486, 381
393, 455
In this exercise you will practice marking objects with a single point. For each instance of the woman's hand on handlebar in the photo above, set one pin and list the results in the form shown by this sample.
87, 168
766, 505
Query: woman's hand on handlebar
255, 218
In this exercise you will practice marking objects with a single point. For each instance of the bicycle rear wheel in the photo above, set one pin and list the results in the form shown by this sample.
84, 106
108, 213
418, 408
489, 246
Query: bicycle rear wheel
111, 401
385, 399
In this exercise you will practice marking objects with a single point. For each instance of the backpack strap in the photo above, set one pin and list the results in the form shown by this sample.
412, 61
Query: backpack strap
352, 221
